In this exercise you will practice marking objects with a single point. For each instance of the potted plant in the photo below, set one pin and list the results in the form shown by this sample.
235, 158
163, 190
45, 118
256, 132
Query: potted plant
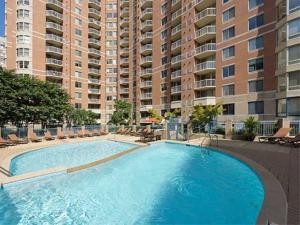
251, 125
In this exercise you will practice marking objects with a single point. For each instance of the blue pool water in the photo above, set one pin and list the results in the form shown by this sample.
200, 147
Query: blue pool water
67, 155
161, 184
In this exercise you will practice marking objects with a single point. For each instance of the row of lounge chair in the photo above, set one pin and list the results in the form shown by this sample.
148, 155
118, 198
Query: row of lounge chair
14, 140
146, 135
281, 137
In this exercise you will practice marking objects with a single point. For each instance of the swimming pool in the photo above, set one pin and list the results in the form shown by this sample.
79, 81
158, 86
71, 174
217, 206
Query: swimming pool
161, 184
66, 155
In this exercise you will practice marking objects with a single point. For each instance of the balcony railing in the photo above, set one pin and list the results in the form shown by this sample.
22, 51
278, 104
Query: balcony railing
206, 30
206, 12
146, 84
54, 61
206, 65
176, 89
55, 14
54, 49
146, 96
205, 48
176, 74
206, 83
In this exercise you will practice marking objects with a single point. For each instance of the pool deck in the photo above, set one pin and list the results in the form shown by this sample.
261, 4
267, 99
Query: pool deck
8, 153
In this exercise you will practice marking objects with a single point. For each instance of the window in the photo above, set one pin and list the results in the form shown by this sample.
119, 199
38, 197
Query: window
256, 107
281, 107
228, 71
164, 47
22, 26
228, 90
164, 8
256, 43
294, 5
22, 52
294, 80
256, 21
294, 54
164, 34
163, 87
164, 21
78, 74
293, 106
78, 32
228, 109
164, 60
78, 53
228, 52
228, 14
23, 2
164, 74
22, 64
294, 28
78, 11
22, 13
78, 21
78, 84
23, 39
255, 3
225, 1
78, 106
78, 63
78, 95
78, 1
228, 33
78, 42
256, 86
255, 64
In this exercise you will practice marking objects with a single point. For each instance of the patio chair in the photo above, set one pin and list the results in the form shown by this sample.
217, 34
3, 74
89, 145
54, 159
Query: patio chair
72, 135
279, 135
14, 139
96, 133
5, 143
128, 131
136, 133
81, 134
48, 136
295, 141
61, 135
88, 133
124, 131
119, 131
103, 132
35, 138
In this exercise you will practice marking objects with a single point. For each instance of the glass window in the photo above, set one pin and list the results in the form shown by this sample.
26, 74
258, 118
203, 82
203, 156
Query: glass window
228, 109
281, 107
228, 52
294, 28
255, 3
256, 43
293, 106
294, 54
228, 33
294, 5
225, 1
228, 71
256, 85
228, 90
255, 64
294, 80
256, 21
78, 84
256, 107
228, 14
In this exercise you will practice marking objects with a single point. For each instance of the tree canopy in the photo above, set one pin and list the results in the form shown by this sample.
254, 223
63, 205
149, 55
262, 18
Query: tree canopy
122, 113
153, 114
206, 114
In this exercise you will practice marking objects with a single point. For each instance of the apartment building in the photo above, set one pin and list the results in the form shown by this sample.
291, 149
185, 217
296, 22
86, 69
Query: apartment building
61, 41
2, 52
164, 54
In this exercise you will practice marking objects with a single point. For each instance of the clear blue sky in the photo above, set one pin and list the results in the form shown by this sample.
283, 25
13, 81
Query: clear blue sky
2, 18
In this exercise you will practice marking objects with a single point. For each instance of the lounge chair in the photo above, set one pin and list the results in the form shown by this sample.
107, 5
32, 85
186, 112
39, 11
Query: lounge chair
81, 134
14, 139
128, 131
72, 135
103, 132
87, 133
119, 131
48, 136
35, 138
291, 140
5, 142
280, 134
96, 133
136, 133
61, 135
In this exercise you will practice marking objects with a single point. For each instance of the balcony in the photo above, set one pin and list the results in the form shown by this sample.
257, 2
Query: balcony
94, 62
51, 50
94, 13
175, 104
146, 61
54, 27
176, 89
124, 3
176, 17
94, 81
94, 100
146, 3
176, 4
176, 32
124, 22
176, 75
146, 73
146, 49
124, 32
145, 108
54, 62
124, 42
206, 67
94, 91
147, 95
94, 23
124, 81
55, 4
94, 42
146, 84
53, 73
124, 71
124, 62
94, 52
146, 26
205, 33
205, 84
205, 50
93, 71
176, 61
94, 33
147, 14
203, 4
146, 38
124, 52
209, 100
176, 46
95, 3
205, 17
55, 16
97, 111
124, 12
124, 90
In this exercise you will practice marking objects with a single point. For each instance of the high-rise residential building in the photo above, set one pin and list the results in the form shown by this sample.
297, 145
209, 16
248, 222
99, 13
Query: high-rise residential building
163, 54
2, 52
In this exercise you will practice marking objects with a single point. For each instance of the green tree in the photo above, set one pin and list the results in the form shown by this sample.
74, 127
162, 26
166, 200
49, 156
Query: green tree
81, 117
122, 113
251, 124
155, 115
206, 114
175, 113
